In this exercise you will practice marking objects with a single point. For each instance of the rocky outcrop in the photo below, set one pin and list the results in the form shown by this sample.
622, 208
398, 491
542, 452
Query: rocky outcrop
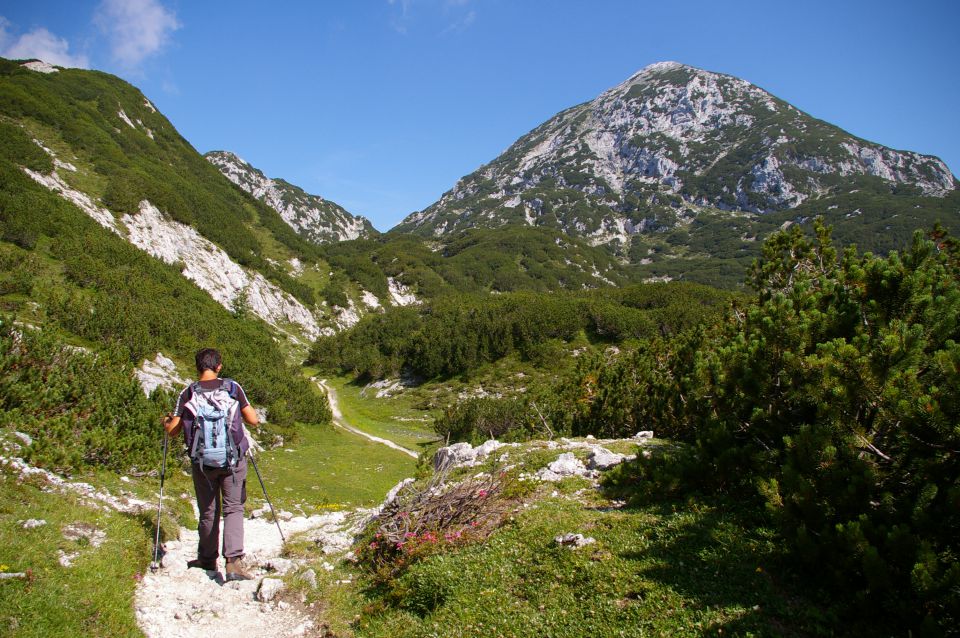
317, 219
201, 261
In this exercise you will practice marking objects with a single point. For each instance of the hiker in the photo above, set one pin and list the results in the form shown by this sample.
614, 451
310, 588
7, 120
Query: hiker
209, 411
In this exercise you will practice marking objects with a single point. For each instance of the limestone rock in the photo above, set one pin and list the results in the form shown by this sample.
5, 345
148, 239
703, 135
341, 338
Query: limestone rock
603, 459
565, 466
573, 541
310, 578
269, 588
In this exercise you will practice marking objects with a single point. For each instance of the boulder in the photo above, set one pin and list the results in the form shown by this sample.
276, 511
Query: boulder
603, 459
565, 466
279, 565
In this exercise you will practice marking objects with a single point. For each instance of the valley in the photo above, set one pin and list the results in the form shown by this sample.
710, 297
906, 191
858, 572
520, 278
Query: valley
681, 361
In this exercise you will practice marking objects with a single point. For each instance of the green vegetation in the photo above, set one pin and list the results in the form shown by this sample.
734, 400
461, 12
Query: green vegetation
82, 108
393, 418
493, 568
476, 260
330, 469
94, 596
81, 410
830, 400
456, 335
67, 272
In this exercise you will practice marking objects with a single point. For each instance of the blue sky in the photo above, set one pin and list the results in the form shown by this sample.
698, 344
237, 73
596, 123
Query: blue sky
382, 105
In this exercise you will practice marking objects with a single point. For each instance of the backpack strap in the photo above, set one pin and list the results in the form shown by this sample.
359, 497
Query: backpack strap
230, 386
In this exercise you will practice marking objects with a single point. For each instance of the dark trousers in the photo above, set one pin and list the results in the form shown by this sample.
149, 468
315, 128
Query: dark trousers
220, 491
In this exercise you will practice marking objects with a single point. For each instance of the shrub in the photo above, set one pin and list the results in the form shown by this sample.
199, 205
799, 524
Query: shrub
420, 521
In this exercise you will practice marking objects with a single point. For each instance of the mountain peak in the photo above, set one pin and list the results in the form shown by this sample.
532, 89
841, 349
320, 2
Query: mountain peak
661, 67
316, 218
665, 145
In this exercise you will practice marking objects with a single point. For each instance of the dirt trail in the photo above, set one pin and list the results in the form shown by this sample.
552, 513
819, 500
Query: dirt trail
176, 602
341, 423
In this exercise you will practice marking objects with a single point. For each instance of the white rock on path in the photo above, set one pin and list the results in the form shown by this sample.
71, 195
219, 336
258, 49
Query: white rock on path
269, 588
188, 603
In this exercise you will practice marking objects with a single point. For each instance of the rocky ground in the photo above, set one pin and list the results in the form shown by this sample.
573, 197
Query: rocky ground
176, 602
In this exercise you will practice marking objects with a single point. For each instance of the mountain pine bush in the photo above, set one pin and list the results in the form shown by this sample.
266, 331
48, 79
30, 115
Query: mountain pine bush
834, 398
81, 409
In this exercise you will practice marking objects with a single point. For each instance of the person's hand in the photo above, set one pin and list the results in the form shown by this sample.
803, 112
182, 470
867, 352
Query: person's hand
168, 417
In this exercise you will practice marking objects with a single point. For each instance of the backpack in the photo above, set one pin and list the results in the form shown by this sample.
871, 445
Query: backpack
216, 425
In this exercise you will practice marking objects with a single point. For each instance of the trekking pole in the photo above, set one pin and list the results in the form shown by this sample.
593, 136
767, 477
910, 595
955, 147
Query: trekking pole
264, 488
155, 565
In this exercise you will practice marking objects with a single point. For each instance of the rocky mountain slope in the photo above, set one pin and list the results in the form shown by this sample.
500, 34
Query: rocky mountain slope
312, 216
673, 148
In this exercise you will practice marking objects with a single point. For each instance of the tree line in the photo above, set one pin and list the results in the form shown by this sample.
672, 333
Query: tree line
456, 334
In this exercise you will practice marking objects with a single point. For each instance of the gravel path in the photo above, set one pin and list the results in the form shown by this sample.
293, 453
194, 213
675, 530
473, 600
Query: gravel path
339, 422
176, 602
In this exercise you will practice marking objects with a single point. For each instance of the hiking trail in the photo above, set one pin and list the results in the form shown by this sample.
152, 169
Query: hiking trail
177, 602
339, 421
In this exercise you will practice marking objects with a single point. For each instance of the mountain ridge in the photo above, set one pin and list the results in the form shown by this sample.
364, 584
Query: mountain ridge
317, 219
654, 150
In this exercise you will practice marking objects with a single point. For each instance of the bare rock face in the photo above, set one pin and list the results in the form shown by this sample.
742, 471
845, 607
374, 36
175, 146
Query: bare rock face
317, 219
159, 373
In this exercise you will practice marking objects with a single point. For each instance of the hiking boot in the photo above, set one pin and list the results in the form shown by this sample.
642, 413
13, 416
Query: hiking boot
236, 570
209, 565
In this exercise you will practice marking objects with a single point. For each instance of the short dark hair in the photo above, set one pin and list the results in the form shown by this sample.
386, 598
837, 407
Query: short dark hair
208, 359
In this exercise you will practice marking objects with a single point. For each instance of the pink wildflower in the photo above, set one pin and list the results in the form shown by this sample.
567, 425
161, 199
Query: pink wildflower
373, 545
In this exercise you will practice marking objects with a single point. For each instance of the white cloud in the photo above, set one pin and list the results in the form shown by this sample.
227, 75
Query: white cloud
458, 14
460, 25
137, 29
39, 44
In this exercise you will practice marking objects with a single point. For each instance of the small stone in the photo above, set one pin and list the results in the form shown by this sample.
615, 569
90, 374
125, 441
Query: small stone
279, 565
310, 577
269, 588
30, 523
178, 615
644, 435
573, 541
282, 605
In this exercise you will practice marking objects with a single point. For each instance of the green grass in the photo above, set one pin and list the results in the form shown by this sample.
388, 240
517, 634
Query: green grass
328, 468
93, 597
661, 570
395, 418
